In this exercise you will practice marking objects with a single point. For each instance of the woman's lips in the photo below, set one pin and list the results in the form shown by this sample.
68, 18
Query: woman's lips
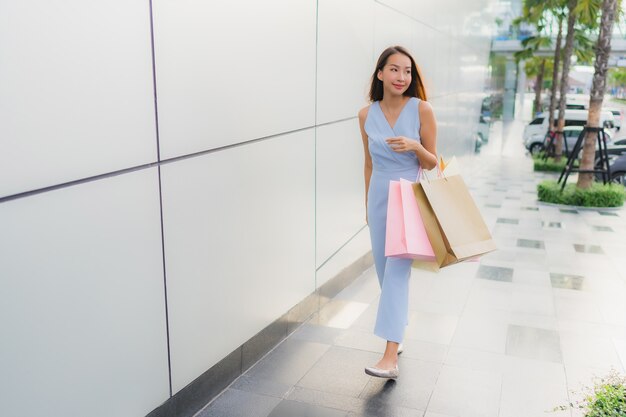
399, 87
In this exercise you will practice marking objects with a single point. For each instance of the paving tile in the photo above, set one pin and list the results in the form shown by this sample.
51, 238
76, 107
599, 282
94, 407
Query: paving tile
261, 386
532, 388
466, 392
595, 249
530, 208
431, 327
288, 408
602, 228
568, 211
529, 243
369, 407
567, 281
589, 351
552, 225
289, 362
493, 205
313, 333
235, 403
533, 343
340, 314
412, 389
503, 220
495, 273
340, 371
608, 213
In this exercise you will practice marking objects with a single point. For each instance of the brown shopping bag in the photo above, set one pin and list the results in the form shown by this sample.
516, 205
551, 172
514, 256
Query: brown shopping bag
454, 225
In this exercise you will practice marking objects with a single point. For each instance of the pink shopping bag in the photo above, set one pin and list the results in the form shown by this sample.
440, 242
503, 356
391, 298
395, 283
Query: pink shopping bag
406, 236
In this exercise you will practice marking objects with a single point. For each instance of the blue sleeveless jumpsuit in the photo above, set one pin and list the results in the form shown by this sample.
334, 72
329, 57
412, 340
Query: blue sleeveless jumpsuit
393, 273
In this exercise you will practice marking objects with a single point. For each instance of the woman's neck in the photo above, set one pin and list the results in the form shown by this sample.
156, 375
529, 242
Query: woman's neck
394, 102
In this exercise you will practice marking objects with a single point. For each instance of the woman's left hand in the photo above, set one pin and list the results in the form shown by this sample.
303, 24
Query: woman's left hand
403, 144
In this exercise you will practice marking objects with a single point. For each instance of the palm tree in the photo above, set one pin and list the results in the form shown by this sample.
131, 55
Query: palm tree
542, 13
557, 8
536, 67
586, 12
603, 48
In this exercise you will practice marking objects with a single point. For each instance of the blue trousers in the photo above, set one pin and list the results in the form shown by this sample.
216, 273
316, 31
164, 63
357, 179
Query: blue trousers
393, 307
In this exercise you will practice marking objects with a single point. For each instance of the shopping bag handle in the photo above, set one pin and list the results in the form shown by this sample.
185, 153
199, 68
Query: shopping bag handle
421, 172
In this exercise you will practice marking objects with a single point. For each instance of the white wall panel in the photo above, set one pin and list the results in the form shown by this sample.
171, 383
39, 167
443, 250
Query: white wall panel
233, 72
76, 95
340, 187
239, 237
345, 58
82, 307
391, 28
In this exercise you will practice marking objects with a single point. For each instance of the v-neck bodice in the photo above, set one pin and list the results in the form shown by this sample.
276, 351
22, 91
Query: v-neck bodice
378, 130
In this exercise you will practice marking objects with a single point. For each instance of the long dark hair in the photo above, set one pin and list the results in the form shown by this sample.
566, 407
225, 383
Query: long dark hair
416, 88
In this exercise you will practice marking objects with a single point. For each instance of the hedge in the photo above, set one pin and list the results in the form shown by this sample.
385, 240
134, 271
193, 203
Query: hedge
598, 195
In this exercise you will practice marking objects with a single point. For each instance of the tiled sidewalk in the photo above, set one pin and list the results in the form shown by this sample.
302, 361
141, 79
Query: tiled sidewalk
508, 336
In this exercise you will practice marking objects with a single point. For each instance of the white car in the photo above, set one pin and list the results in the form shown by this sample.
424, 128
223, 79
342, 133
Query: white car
535, 131
571, 133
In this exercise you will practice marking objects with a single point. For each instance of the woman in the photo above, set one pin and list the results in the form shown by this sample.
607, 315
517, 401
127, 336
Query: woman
399, 134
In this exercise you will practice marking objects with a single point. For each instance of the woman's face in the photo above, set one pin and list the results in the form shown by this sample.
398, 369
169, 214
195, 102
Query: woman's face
396, 74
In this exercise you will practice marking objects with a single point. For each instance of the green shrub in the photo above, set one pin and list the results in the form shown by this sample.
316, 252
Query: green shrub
598, 195
607, 398
549, 165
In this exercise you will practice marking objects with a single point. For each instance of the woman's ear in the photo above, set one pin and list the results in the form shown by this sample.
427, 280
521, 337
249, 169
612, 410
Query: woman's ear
379, 75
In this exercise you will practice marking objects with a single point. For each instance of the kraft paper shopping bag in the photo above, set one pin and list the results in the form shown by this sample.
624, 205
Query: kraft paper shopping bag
454, 225
406, 236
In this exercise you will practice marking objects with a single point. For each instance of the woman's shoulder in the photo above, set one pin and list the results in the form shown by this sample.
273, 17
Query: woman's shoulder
363, 112
424, 106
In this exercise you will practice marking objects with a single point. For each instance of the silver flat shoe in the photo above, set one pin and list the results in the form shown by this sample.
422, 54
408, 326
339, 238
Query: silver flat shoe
383, 373
400, 348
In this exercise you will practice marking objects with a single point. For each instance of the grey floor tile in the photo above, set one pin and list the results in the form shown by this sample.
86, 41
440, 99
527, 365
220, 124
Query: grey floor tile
495, 273
568, 211
595, 249
503, 220
552, 225
288, 362
340, 371
235, 403
608, 213
530, 208
491, 205
261, 386
533, 343
288, 408
369, 407
529, 243
412, 389
602, 228
567, 281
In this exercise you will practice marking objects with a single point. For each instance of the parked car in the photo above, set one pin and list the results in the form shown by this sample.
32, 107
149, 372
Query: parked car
535, 131
618, 170
614, 153
618, 116
571, 133
483, 128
